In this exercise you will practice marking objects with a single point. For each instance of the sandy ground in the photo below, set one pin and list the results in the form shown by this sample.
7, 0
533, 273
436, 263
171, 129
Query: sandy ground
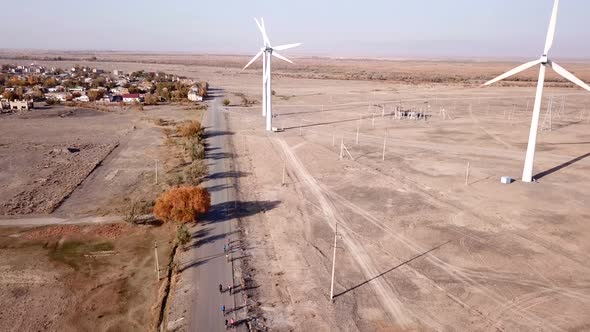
41, 163
80, 278
419, 249
69, 262
48, 155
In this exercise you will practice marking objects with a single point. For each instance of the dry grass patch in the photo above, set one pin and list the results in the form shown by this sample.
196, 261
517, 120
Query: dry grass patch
195, 173
190, 129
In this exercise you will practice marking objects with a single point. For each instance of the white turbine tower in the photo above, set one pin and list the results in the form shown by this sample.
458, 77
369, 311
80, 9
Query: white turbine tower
267, 52
544, 61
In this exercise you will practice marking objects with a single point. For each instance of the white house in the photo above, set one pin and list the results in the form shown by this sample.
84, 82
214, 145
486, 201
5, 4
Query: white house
76, 89
120, 90
131, 98
83, 99
194, 96
18, 105
60, 96
57, 88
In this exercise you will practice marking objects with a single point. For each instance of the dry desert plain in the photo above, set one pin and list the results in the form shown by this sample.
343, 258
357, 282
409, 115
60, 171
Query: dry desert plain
422, 246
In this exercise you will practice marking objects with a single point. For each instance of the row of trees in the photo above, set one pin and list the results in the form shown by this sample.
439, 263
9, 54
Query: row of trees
187, 201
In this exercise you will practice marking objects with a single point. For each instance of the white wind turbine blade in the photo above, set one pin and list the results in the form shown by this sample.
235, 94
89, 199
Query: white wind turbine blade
568, 76
253, 59
552, 25
258, 24
513, 72
281, 57
263, 30
286, 47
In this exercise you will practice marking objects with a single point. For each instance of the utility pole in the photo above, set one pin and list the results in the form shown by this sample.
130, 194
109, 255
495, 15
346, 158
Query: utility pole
333, 265
157, 263
333, 137
467, 174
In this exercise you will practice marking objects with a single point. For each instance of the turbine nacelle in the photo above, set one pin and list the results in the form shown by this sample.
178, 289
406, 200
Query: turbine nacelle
544, 60
267, 48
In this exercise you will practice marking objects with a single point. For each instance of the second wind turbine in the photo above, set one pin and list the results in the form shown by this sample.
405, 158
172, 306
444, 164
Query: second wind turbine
267, 52
544, 61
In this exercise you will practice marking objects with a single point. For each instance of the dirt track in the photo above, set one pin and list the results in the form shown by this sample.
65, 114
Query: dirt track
386, 295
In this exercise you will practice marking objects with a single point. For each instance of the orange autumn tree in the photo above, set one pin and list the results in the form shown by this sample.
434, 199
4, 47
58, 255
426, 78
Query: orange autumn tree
182, 204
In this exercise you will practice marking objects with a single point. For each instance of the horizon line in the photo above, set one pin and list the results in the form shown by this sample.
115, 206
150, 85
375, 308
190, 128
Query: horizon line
300, 55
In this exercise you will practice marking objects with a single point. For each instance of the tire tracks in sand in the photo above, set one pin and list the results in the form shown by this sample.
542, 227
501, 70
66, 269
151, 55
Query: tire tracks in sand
387, 295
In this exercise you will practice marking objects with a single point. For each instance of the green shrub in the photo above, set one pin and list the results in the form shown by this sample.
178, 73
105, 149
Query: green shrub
135, 209
175, 180
51, 101
195, 173
195, 148
226, 102
151, 99
182, 235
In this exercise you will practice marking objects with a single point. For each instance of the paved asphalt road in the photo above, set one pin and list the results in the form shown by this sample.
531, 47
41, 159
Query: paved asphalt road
211, 267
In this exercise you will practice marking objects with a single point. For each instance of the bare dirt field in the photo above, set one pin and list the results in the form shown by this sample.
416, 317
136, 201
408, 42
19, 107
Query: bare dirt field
79, 171
48, 155
421, 247
42, 163
80, 278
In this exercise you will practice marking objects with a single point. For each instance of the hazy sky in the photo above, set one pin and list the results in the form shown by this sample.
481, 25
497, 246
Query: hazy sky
387, 28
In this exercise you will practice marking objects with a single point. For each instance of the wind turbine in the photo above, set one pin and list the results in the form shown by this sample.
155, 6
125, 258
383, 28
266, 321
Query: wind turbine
267, 52
544, 61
